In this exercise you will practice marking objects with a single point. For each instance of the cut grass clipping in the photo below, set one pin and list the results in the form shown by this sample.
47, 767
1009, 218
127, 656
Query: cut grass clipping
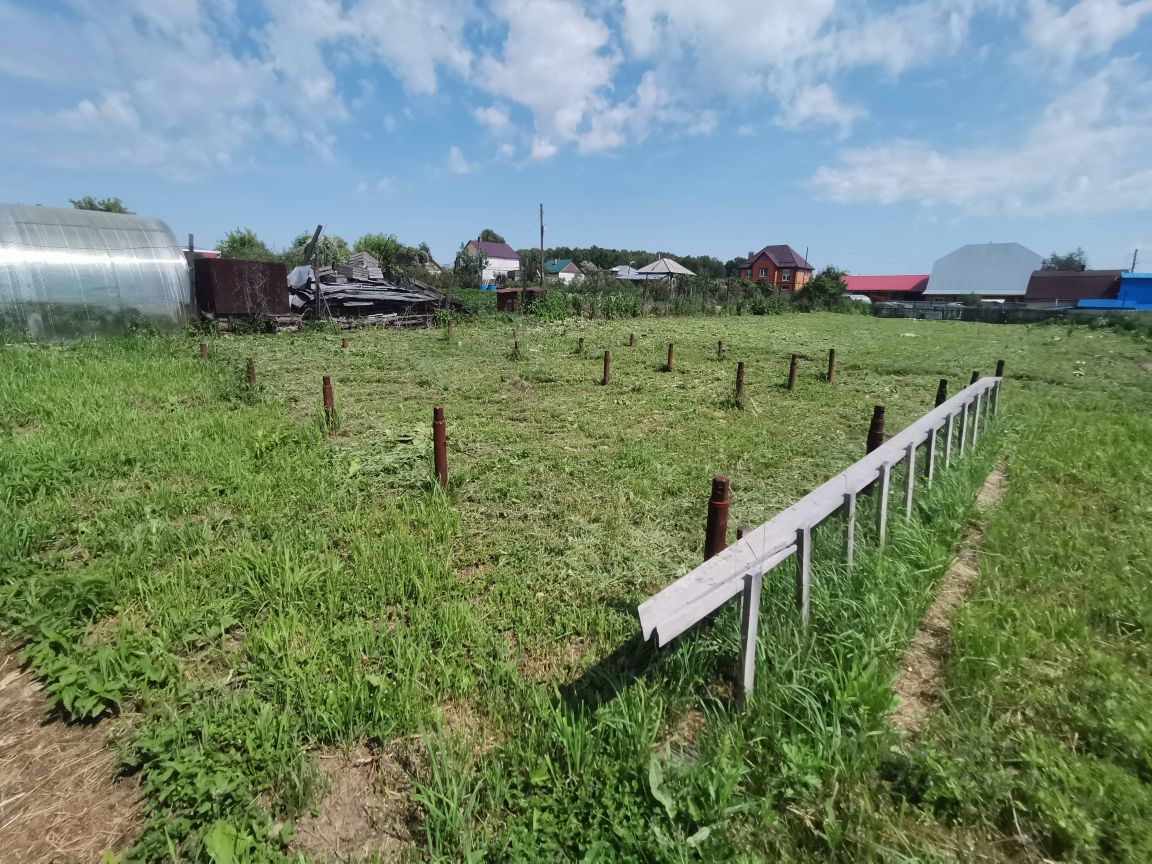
246, 590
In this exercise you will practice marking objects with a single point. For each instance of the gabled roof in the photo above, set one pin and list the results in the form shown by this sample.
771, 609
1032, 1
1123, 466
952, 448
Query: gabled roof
987, 269
781, 256
666, 266
867, 284
495, 250
558, 265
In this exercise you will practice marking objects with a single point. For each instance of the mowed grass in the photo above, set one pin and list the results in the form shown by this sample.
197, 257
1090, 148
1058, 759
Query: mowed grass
244, 588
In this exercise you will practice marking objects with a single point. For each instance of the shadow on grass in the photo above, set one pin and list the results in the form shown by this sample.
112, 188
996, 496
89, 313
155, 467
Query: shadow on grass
614, 673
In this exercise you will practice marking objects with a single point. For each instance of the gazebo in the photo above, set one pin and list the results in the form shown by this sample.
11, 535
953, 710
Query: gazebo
667, 268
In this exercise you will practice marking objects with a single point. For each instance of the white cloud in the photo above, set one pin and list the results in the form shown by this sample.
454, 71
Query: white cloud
456, 163
1087, 28
556, 62
1089, 151
182, 86
741, 52
168, 87
507, 151
494, 117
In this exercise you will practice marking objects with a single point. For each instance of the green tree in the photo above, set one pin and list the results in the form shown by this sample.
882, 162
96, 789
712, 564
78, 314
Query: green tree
490, 236
383, 247
468, 266
331, 251
1077, 259
529, 265
824, 291
106, 205
732, 267
243, 243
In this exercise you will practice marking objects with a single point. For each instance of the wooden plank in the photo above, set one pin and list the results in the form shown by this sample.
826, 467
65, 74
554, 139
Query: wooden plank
963, 427
706, 588
949, 434
849, 528
749, 625
931, 457
909, 481
882, 504
804, 573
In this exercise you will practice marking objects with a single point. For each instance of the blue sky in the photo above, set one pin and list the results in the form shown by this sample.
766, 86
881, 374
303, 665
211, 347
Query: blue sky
878, 135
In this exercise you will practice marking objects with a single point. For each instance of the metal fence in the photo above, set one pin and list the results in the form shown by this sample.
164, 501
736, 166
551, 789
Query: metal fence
738, 570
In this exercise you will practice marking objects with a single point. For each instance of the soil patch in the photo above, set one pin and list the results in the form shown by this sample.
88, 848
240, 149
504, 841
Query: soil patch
368, 809
922, 668
61, 798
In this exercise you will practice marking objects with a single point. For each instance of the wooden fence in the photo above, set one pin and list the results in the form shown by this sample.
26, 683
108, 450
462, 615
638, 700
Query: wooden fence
738, 570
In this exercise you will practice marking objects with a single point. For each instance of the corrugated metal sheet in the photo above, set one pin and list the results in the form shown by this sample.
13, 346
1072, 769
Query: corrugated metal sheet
1135, 293
902, 284
987, 269
1069, 285
227, 286
70, 273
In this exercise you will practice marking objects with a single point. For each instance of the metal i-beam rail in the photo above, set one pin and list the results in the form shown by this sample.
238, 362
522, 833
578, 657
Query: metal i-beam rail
738, 569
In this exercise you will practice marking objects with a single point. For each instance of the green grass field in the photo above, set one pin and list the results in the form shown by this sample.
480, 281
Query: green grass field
244, 589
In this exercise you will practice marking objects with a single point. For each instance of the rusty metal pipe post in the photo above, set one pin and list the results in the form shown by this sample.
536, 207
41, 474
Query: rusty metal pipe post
516, 349
449, 335
671, 357
720, 350
831, 365
716, 531
631, 340
875, 429
251, 374
440, 446
344, 343
941, 392
792, 372
203, 350
580, 347
607, 369
329, 404
999, 368
740, 381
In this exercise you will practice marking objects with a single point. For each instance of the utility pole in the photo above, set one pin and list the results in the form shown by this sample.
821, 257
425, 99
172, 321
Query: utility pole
1134, 253
541, 245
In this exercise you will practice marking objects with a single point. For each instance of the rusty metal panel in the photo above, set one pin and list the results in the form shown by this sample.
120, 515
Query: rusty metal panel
228, 286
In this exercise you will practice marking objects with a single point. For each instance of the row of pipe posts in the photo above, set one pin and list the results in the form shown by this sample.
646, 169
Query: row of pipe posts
716, 529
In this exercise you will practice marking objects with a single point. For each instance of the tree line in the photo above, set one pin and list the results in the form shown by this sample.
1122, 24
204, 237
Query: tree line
590, 258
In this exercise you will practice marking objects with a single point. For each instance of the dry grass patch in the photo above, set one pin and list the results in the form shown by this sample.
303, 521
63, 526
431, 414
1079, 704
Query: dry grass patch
61, 798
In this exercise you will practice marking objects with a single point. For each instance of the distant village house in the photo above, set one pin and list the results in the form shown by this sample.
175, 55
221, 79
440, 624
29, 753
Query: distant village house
563, 269
503, 263
779, 266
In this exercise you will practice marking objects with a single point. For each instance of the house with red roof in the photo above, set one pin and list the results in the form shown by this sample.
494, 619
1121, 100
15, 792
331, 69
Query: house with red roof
502, 260
880, 289
780, 266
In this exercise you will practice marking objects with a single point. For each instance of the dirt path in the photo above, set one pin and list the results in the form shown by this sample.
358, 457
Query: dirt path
922, 668
59, 799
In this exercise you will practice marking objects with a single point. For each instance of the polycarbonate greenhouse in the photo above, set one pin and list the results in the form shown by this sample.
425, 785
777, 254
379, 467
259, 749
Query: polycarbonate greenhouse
71, 273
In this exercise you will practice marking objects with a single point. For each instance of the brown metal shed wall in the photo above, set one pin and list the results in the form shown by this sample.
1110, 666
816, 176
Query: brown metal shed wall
227, 286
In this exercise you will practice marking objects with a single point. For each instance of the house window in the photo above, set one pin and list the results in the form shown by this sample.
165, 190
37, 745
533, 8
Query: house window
763, 272
786, 275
